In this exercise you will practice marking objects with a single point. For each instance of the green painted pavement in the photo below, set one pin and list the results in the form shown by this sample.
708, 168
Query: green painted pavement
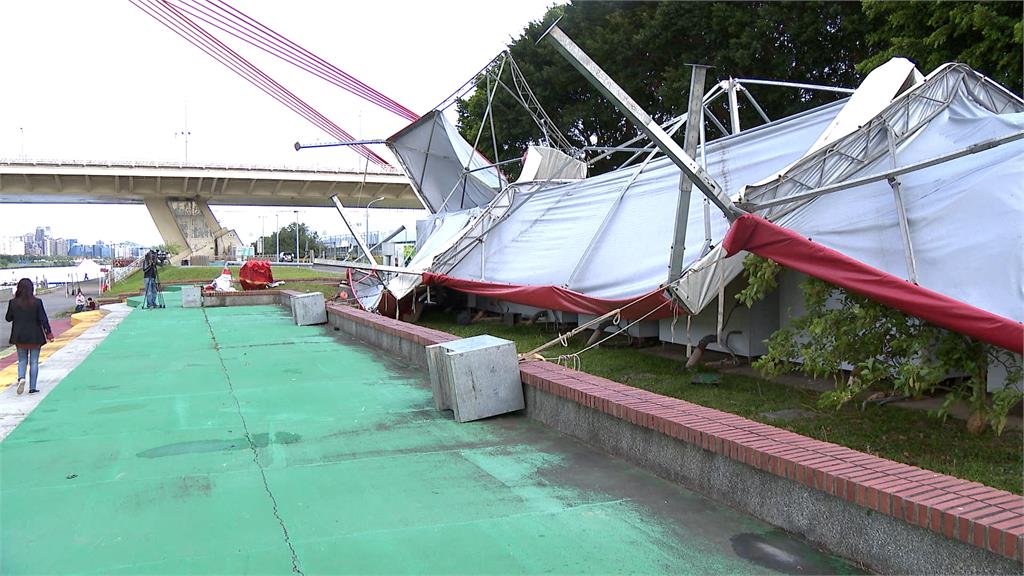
227, 440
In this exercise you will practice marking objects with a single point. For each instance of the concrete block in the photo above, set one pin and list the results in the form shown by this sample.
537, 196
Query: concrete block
309, 309
191, 297
435, 365
475, 377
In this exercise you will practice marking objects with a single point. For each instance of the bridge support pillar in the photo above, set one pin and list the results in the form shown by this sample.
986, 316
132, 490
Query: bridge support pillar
191, 225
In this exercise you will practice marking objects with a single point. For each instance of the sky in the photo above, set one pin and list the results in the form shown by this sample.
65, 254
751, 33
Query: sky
104, 81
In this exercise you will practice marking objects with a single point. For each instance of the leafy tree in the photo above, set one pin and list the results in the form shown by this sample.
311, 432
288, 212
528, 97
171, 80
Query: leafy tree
646, 47
986, 36
169, 248
309, 241
887, 349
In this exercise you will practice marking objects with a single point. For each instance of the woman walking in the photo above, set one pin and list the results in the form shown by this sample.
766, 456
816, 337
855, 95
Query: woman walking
30, 331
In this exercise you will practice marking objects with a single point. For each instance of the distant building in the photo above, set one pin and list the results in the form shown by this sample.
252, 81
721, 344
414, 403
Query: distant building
13, 246
81, 251
60, 247
29, 241
123, 249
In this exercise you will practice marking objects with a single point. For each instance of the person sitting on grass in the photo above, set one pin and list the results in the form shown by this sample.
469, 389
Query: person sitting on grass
90, 304
79, 301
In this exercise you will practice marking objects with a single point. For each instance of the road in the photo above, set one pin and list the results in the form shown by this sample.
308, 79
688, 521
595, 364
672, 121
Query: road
55, 303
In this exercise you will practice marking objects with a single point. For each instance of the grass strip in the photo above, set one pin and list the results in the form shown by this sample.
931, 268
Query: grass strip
206, 274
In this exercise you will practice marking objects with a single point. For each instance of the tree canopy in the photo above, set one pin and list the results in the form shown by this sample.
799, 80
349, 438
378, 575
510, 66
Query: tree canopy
646, 48
309, 241
987, 36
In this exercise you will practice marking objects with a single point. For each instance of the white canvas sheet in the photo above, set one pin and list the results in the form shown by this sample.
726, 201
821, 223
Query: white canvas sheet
551, 237
966, 216
445, 171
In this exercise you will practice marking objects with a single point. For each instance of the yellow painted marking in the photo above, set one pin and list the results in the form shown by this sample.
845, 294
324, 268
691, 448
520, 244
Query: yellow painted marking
80, 322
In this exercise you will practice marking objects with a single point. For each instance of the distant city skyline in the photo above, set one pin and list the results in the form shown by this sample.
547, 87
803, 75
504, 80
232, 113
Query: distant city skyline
83, 240
40, 241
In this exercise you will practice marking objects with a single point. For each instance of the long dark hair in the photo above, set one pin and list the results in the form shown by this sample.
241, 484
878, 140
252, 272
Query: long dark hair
24, 294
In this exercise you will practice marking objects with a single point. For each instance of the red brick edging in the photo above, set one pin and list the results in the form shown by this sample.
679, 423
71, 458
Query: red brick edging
959, 509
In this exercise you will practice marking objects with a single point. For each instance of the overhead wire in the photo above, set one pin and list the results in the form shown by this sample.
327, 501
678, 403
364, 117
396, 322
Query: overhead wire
405, 112
195, 35
183, 26
238, 24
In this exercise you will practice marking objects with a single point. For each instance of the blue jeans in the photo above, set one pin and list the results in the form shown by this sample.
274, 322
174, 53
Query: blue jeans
150, 292
29, 356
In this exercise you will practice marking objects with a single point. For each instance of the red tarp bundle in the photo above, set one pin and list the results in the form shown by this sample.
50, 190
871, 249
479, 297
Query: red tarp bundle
555, 298
255, 275
757, 235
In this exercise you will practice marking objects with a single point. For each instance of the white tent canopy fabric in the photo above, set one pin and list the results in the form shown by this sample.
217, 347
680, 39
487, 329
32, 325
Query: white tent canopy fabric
609, 236
447, 174
965, 216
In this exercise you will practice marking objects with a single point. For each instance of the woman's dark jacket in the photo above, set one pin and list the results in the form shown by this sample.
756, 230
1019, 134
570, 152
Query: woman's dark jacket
30, 323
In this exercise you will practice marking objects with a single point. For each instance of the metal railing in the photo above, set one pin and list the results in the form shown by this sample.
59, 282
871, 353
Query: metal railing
115, 275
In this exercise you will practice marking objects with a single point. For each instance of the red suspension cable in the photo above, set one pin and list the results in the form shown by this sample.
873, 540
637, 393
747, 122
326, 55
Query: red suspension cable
258, 35
180, 24
404, 112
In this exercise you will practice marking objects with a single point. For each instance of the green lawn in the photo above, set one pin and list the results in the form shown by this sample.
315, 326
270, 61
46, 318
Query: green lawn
329, 290
909, 436
172, 274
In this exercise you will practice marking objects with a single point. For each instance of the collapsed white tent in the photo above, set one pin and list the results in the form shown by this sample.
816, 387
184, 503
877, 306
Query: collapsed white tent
596, 244
607, 238
929, 192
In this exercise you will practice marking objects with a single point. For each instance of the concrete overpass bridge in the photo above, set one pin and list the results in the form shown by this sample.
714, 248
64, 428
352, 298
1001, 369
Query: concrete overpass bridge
179, 196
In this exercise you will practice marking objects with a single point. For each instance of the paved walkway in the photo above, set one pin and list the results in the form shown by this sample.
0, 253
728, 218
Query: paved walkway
56, 361
228, 440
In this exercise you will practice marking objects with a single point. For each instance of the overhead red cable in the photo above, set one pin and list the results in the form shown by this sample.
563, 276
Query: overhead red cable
264, 81
250, 31
399, 109
224, 56
177, 22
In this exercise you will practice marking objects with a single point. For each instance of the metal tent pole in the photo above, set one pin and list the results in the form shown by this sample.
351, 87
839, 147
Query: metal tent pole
852, 183
697, 75
642, 120
359, 241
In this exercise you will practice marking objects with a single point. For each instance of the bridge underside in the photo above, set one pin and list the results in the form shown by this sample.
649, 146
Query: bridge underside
179, 197
130, 184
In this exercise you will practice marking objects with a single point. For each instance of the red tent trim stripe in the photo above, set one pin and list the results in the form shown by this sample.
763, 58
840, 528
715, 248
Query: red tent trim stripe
555, 298
757, 235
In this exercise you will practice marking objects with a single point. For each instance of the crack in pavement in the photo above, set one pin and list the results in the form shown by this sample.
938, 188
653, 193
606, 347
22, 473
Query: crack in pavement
255, 452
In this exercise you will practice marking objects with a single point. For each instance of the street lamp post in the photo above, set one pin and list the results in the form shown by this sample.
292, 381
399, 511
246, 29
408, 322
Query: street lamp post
277, 237
366, 231
296, 235
263, 235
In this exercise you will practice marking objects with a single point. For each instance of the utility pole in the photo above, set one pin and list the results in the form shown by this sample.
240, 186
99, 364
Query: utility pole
263, 234
296, 235
277, 236
185, 133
